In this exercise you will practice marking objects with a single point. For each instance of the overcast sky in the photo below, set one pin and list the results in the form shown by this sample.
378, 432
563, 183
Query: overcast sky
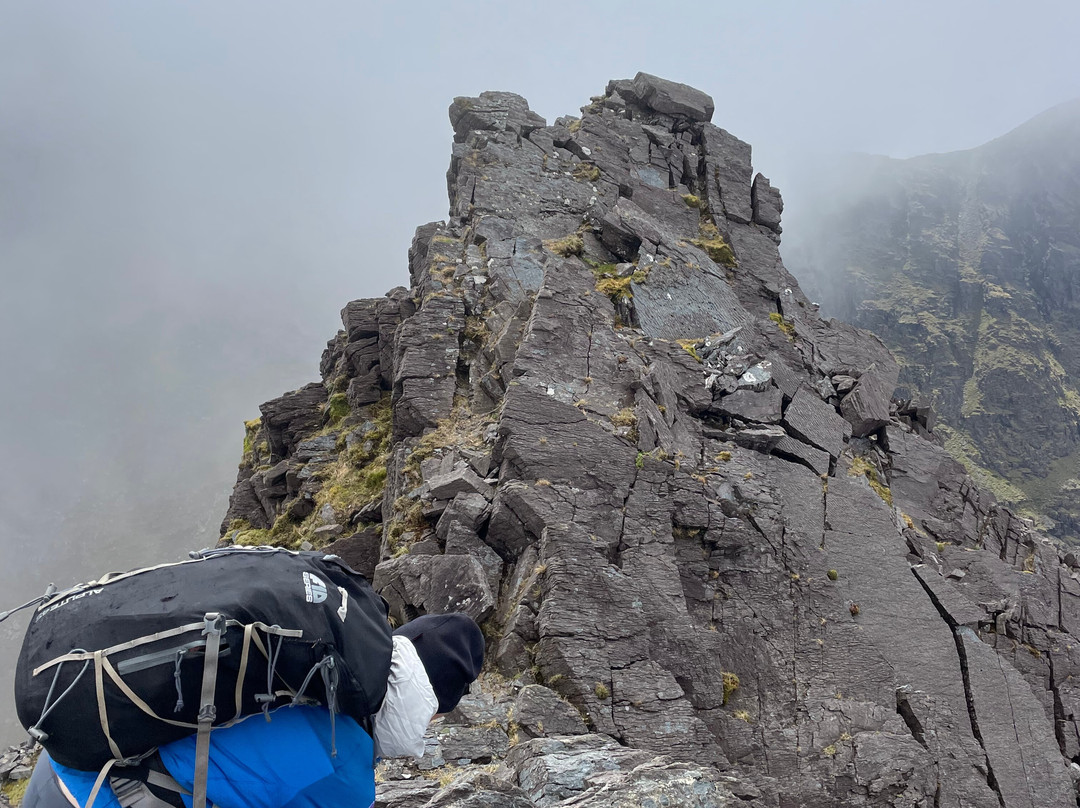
190, 192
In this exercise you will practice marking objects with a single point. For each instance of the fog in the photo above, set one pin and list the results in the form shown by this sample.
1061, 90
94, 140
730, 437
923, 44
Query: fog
191, 191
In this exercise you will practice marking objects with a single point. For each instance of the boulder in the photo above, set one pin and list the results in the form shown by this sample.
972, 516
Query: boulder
765, 407
866, 407
460, 479
434, 584
766, 203
812, 420
672, 98
539, 711
360, 550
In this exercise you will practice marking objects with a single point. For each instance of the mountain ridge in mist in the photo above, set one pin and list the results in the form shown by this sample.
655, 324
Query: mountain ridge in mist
968, 265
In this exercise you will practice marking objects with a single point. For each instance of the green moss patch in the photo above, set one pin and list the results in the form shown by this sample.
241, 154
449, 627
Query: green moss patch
14, 791
337, 407
690, 346
860, 466
714, 245
959, 444
783, 324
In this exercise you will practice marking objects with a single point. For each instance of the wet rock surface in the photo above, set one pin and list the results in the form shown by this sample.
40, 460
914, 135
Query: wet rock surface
606, 421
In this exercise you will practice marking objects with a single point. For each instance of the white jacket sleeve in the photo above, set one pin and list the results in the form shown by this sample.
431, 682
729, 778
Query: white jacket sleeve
408, 707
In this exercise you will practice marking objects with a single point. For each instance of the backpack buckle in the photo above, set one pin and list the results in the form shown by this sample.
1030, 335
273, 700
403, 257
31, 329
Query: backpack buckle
213, 623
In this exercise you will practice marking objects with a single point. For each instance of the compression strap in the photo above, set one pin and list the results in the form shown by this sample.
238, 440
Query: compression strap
215, 626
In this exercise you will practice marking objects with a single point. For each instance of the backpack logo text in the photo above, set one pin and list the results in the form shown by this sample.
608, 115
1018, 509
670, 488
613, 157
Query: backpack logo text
314, 588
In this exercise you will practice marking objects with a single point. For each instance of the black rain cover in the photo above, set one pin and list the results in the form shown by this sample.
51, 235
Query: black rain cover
335, 607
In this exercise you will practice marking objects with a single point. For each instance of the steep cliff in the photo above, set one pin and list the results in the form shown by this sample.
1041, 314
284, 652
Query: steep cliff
605, 421
968, 266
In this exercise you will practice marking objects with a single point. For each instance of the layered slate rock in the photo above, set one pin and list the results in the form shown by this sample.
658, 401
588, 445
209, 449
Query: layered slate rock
620, 435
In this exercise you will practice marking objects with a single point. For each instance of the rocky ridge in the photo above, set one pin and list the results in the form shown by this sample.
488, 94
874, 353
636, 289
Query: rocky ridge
716, 562
966, 265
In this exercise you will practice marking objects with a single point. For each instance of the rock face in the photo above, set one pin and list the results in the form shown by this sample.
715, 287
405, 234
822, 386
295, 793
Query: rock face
606, 421
968, 266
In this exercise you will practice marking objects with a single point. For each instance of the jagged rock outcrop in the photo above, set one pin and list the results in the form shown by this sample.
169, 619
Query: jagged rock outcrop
967, 265
606, 421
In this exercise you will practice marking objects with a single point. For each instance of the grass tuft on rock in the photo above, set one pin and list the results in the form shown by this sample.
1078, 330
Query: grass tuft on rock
860, 466
731, 684
251, 432
459, 430
337, 407
690, 346
586, 172
571, 245
714, 245
783, 324
618, 289
626, 417
14, 791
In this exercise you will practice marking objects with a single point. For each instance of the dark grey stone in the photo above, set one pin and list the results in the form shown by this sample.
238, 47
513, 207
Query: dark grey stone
866, 407
728, 173
767, 203
812, 420
286, 420
790, 447
1023, 754
360, 550
672, 98
461, 479
539, 711
434, 584
470, 509
763, 407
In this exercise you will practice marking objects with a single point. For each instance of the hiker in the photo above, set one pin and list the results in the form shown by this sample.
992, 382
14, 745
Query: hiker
288, 761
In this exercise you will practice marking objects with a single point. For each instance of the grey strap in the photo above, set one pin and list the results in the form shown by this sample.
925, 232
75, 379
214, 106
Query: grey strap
161, 635
98, 782
103, 713
207, 711
162, 780
134, 792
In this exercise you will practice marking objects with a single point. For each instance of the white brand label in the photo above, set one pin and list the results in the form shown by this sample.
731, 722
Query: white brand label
314, 588
344, 607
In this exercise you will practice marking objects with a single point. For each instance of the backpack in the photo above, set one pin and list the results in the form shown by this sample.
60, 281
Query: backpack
111, 669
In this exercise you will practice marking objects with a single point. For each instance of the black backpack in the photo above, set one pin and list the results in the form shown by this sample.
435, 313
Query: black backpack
114, 668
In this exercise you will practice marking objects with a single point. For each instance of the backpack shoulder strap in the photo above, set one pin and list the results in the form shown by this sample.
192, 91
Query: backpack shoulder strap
157, 790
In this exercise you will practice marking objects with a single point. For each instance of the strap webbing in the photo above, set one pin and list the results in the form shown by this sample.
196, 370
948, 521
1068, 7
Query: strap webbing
161, 635
207, 710
245, 652
103, 711
162, 780
97, 783
133, 697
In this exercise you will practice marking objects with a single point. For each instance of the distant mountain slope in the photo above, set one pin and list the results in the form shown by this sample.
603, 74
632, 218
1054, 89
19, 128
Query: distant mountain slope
968, 266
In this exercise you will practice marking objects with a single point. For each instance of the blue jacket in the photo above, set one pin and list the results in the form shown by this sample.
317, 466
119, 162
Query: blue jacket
283, 763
